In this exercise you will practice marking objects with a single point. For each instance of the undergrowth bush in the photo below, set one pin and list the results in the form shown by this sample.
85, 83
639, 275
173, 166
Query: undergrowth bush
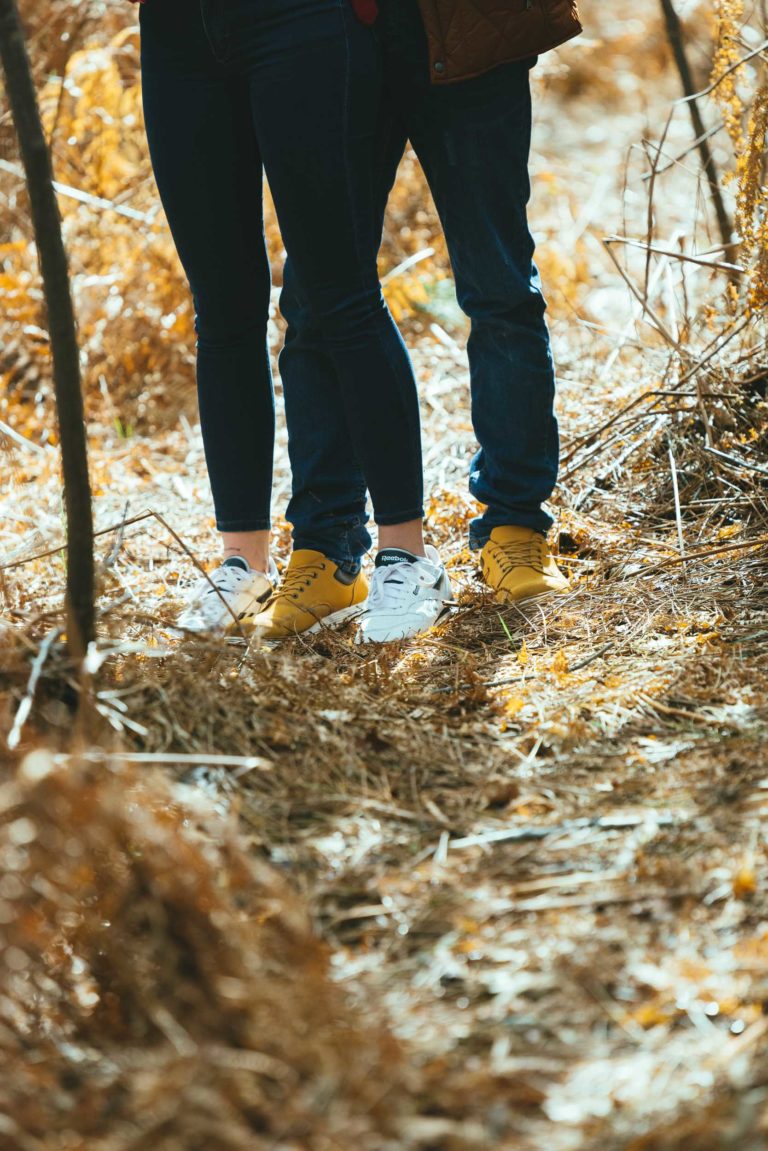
741, 93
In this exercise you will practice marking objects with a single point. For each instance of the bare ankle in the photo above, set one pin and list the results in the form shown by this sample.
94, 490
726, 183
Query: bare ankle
408, 537
253, 547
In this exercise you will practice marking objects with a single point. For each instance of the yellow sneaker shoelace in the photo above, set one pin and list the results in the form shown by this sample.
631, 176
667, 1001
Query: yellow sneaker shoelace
297, 579
520, 554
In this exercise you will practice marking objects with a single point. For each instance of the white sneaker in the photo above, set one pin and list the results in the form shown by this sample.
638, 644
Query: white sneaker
233, 590
408, 595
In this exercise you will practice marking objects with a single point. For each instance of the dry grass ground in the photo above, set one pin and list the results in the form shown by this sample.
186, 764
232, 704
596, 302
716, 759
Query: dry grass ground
532, 846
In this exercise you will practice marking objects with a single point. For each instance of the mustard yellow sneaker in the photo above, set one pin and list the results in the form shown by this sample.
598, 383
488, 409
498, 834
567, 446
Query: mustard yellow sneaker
314, 593
517, 564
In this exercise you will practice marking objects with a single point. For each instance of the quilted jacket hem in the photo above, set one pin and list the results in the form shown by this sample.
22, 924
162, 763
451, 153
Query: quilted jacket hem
469, 37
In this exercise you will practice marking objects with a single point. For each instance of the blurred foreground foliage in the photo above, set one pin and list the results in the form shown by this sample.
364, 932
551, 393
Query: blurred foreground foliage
159, 987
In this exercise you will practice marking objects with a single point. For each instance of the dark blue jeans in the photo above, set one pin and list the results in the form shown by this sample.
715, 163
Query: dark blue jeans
473, 141
292, 87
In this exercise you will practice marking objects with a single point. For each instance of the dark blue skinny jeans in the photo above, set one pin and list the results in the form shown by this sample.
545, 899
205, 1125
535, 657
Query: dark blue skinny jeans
291, 87
473, 141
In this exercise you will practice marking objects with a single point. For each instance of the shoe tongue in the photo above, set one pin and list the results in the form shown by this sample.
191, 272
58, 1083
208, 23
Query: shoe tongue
301, 557
237, 562
387, 557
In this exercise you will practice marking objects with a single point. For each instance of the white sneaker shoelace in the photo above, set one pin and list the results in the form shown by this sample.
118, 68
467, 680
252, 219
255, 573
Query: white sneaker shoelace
392, 588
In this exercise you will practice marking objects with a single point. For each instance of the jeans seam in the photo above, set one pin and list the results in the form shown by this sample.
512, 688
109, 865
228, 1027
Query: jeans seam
201, 7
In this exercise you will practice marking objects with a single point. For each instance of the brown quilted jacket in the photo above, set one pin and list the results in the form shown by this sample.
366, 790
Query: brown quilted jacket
468, 37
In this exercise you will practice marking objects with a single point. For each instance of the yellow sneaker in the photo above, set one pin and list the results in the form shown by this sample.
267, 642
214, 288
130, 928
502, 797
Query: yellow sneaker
517, 564
314, 593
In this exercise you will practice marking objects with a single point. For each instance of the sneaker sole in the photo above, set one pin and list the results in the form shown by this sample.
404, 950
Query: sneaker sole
331, 622
362, 639
336, 619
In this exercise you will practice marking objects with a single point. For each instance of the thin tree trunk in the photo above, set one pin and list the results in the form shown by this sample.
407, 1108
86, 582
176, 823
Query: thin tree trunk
677, 44
61, 327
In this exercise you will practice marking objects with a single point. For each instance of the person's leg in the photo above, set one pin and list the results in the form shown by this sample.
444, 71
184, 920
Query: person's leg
327, 507
473, 139
315, 97
208, 170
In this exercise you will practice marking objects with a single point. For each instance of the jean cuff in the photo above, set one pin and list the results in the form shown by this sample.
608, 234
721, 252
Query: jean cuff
345, 542
478, 537
257, 525
390, 519
349, 567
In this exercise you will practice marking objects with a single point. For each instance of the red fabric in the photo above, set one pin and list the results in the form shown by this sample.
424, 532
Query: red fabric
366, 10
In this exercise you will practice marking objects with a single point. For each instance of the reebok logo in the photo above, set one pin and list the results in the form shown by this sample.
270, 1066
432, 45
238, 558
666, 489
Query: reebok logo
390, 556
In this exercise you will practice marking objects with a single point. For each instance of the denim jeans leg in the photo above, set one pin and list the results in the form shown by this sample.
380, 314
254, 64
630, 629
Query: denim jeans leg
208, 170
328, 497
473, 141
328, 502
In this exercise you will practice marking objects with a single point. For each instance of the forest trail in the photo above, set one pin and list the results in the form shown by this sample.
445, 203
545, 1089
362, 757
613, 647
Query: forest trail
534, 841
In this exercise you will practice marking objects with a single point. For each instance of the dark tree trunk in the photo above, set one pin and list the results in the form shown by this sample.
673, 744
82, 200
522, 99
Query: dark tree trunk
61, 327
